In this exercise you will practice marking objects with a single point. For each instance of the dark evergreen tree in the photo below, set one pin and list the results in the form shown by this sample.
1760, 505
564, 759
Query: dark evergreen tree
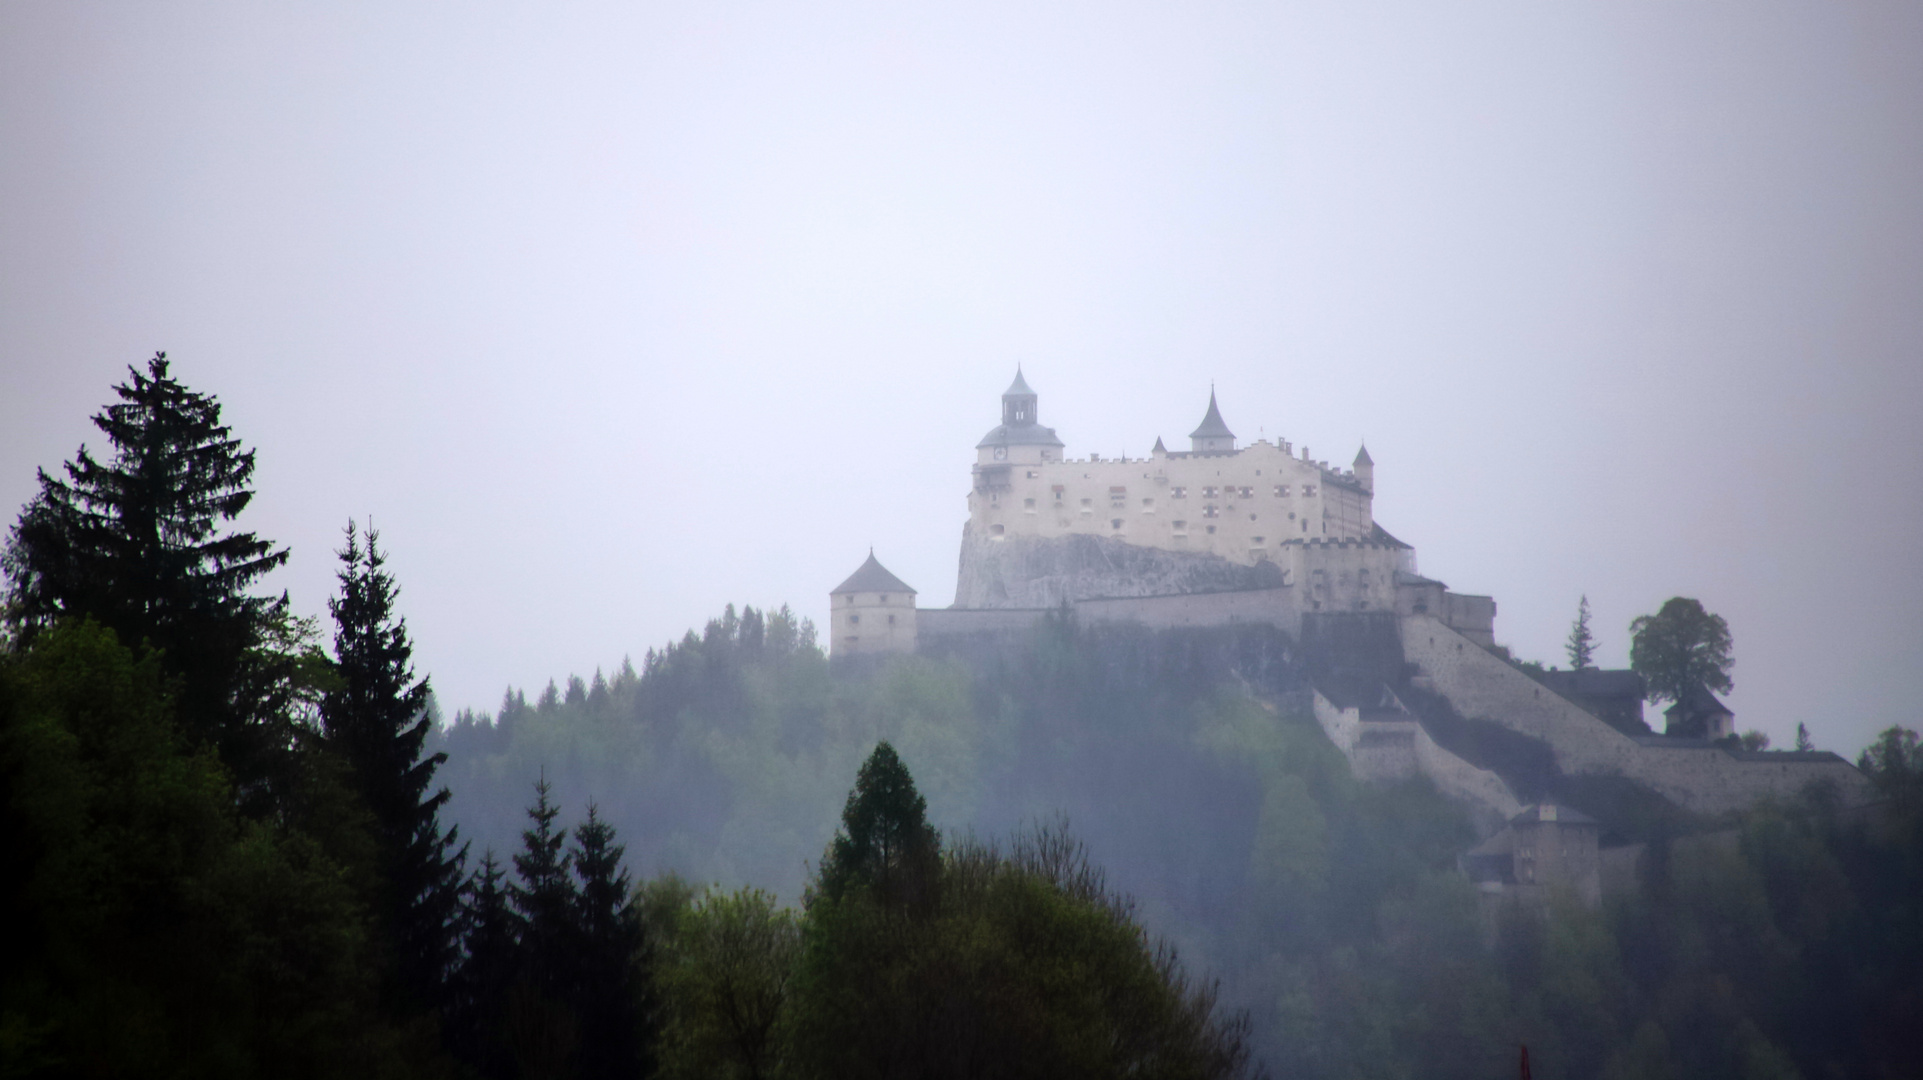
885, 841
1803, 740
141, 543
609, 993
491, 935
545, 1029
1582, 644
377, 719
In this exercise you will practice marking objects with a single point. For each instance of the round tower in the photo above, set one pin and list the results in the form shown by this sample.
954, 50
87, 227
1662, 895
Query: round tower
872, 612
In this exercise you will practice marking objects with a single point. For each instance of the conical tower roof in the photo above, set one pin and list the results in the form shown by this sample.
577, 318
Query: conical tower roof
1212, 425
1362, 456
1018, 388
872, 577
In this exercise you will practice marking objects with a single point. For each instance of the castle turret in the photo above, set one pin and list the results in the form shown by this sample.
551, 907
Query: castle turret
1365, 468
872, 612
1019, 439
1213, 436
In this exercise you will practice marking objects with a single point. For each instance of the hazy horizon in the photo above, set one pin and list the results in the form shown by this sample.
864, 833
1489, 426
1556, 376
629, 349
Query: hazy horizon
610, 316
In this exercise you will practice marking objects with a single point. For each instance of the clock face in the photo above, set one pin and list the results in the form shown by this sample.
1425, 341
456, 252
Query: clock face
1001, 452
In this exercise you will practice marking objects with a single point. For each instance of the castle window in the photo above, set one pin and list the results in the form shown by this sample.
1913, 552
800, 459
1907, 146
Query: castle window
853, 619
1248, 493
1115, 523
1211, 530
1088, 506
1291, 515
1180, 492
1281, 491
1257, 542
995, 530
1210, 511
1181, 528
1308, 490
1028, 505
884, 598
1210, 492
1057, 489
1032, 474
891, 620
1148, 506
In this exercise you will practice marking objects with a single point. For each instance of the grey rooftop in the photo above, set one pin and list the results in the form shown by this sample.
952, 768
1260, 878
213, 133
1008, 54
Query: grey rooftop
872, 577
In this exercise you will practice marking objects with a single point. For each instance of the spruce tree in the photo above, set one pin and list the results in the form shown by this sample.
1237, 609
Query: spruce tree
1803, 740
141, 542
490, 960
377, 720
1582, 644
609, 993
885, 842
545, 897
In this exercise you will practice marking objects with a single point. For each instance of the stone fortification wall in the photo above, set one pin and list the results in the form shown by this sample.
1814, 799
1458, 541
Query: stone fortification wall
1479, 788
1704, 779
1274, 607
1032, 572
958, 622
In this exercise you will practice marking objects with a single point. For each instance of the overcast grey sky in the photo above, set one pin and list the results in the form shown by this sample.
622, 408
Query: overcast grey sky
610, 314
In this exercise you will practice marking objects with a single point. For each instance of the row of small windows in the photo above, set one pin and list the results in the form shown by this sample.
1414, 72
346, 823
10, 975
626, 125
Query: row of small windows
855, 620
1210, 491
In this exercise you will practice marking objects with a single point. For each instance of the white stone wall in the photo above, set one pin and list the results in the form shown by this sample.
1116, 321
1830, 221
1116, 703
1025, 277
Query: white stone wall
867, 623
1452, 776
1704, 779
1240, 505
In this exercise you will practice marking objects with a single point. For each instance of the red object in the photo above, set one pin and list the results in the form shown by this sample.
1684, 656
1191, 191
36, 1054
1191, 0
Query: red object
1525, 1063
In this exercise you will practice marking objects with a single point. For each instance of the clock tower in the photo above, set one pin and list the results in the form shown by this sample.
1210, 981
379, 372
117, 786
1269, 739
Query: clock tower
1019, 439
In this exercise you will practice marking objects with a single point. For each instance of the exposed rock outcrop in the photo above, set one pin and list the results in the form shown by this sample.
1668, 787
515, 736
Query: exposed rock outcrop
1032, 572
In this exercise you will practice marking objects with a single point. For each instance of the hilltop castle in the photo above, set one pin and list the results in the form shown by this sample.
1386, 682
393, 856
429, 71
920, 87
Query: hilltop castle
1217, 533
1224, 534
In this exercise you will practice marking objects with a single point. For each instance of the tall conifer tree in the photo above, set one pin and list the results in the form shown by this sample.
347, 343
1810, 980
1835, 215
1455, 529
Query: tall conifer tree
610, 988
1582, 643
377, 719
141, 543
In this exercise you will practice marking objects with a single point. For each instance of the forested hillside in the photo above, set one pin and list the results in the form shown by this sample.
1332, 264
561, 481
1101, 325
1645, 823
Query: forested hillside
1188, 763
239, 846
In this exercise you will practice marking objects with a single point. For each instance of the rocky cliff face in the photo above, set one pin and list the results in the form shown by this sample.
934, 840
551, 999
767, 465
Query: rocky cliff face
1028, 572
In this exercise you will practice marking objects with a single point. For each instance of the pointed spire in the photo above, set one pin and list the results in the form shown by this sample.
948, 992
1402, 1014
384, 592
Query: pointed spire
1212, 425
1362, 456
1159, 448
1019, 387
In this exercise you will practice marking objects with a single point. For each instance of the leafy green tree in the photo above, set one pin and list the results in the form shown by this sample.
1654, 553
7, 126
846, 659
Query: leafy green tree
1894, 763
153, 930
377, 719
1679, 646
885, 842
141, 543
610, 992
1582, 644
725, 972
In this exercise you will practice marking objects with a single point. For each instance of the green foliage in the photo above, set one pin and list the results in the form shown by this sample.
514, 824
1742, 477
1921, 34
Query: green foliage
375, 718
140, 544
1679, 646
725, 969
1582, 643
152, 929
885, 844
1894, 763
